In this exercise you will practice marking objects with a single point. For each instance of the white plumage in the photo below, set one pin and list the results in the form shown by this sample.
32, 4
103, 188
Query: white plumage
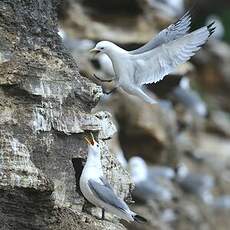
98, 191
159, 57
151, 183
168, 8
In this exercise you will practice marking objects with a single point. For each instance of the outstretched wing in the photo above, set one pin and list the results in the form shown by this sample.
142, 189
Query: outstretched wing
152, 66
105, 193
172, 32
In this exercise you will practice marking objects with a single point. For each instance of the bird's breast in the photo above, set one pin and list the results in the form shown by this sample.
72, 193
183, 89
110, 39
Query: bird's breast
123, 67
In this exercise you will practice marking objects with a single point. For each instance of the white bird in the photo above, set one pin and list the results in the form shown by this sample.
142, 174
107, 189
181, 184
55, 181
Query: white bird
121, 159
168, 8
149, 181
195, 183
159, 57
220, 30
98, 191
106, 65
73, 44
222, 202
189, 98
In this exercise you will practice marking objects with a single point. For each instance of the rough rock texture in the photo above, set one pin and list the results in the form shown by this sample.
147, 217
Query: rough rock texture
148, 130
165, 134
119, 21
213, 66
44, 111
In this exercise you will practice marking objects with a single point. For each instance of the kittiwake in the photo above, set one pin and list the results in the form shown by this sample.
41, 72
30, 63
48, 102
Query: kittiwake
168, 8
151, 183
195, 183
189, 98
98, 191
220, 30
172, 47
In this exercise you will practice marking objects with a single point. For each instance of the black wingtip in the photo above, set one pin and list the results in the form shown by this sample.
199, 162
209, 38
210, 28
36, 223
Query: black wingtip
140, 219
211, 28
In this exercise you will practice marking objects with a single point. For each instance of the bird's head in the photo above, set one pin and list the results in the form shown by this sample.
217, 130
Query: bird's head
103, 47
92, 144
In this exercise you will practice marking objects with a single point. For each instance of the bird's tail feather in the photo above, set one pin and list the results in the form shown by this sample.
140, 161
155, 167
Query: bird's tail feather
139, 219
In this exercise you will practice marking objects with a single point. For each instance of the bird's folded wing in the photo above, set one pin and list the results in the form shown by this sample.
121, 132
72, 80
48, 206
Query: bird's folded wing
105, 193
152, 66
172, 32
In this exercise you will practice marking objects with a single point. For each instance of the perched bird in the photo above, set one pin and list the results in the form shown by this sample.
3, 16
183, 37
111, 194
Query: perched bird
121, 159
222, 202
161, 171
189, 98
149, 184
168, 8
195, 183
96, 189
220, 30
159, 57
75, 45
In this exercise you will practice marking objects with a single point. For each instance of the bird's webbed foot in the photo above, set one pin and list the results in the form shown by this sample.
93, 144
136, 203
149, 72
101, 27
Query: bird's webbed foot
103, 80
86, 207
109, 92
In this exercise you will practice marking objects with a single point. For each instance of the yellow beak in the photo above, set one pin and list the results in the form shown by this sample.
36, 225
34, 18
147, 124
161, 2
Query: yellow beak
91, 140
94, 51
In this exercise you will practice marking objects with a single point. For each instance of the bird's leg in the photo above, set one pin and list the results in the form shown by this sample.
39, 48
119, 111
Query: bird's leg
140, 93
103, 80
102, 213
86, 207
109, 92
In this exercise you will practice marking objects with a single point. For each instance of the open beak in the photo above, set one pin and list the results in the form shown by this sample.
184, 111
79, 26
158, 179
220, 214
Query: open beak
91, 140
95, 51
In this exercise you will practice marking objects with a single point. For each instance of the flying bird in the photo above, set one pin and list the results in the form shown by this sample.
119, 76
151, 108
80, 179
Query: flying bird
172, 47
96, 189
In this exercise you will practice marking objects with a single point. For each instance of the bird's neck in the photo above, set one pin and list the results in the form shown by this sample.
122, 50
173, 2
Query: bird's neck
93, 161
116, 53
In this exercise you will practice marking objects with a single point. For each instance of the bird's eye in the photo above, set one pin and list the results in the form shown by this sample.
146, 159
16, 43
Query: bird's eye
102, 48
98, 145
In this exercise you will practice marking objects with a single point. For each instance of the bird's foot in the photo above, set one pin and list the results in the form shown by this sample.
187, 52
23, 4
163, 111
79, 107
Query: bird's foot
103, 80
109, 92
87, 207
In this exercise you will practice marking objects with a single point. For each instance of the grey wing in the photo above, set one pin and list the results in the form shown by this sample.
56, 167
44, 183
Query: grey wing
152, 66
197, 183
105, 193
172, 32
161, 172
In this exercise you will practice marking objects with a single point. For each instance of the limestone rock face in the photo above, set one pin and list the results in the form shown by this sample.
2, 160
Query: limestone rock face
123, 22
45, 109
17, 169
213, 73
145, 129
